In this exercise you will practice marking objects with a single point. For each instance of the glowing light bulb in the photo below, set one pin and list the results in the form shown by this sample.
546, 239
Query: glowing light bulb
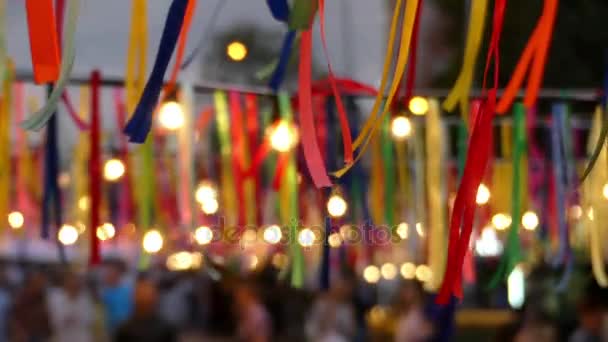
501, 221
203, 235
516, 287
84, 203
408, 270
529, 220
371, 274
210, 206
273, 234
423, 273
67, 235
236, 51
336, 206
249, 237
15, 220
402, 230
283, 137
113, 170
171, 115
483, 194
488, 244
590, 213
152, 241
306, 237
106, 231
334, 240
401, 127
418, 105
252, 261
204, 192
180, 261
388, 271
419, 229
576, 212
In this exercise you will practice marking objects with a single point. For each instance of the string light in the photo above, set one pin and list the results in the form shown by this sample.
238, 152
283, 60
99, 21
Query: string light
371, 274
488, 244
67, 235
210, 206
171, 115
334, 240
180, 261
483, 194
205, 191
113, 170
273, 234
152, 241
236, 51
402, 230
203, 235
423, 273
306, 237
15, 220
605, 191
529, 220
501, 221
388, 271
408, 270
105, 232
283, 137
401, 127
516, 287
418, 105
336, 206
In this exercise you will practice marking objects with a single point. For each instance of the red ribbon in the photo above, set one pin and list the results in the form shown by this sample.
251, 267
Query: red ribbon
238, 157
95, 168
43, 40
251, 110
312, 155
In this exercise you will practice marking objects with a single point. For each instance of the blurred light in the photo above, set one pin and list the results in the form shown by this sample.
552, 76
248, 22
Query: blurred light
105, 232
203, 235
418, 105
273, 234
529, 220
249, 237
67, 235
377, 316
279, 260
152, 241
402, 230
180, 261
113, 170
210, 206
483, 194
388, 271
236, 51
590, 213
516, 287
15, 220
81, 227
283, 137
501, 221
423, 273
84, 203
306, 237
334, 240
64, 179
171, 115
336, 206
197, 260
419, 229
205, 192
576, 212
252, 262
345, 231
605, 191
371, 274
488, 244
408, 270
401, 127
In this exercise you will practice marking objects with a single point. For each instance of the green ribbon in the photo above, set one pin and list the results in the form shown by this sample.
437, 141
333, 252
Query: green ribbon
389, 173
512, 254
146, 192
461, 145
598, 147
302, 14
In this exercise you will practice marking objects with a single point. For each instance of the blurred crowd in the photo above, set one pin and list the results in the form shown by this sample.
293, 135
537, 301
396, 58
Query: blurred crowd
113, 303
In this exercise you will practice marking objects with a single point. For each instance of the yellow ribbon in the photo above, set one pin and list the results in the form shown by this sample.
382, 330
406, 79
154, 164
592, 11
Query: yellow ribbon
227, 179
462, 88
437, 210
5, 144
376, 188
373, 122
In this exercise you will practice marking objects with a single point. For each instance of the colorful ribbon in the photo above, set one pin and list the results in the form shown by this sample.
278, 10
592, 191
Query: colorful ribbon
95, 178
44, 45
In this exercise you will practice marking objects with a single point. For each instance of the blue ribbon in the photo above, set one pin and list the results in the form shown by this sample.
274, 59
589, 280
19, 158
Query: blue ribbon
279, 72
324, 269
141, 122
279, 9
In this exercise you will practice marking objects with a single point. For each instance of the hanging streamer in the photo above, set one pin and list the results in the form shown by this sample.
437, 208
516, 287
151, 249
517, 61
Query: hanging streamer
344, 125
186, 160
181, 45
95, 177
44, 45
388, 166
533, 58
376, 117
140, 123
411, 67
603, 136
462, 88
227, 178
6, 101
40, 118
